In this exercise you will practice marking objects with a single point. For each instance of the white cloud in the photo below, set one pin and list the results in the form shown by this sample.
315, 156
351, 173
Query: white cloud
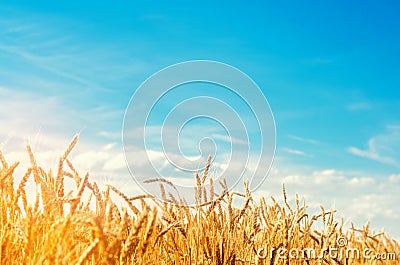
383, 148
115, 163
371, 153
48, 125
295, 179
109, 146
296, 152
357, 196
394, 178
229, 139
110, 135
374, 205
306, 140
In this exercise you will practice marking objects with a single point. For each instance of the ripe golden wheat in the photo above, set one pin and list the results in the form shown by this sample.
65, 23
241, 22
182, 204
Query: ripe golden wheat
59, 228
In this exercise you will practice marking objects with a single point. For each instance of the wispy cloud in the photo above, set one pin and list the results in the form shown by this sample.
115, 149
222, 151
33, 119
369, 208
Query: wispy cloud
306, 140
51, 64
383, 148
56, 55
371, 153
296, 152
110, 134
229, 139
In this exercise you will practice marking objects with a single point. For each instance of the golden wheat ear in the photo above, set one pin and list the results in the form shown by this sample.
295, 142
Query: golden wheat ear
227, 228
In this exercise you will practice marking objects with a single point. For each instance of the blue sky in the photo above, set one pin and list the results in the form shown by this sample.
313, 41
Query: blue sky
328, 69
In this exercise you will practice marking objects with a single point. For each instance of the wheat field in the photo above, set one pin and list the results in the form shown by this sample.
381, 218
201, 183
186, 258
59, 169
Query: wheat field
60, 227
